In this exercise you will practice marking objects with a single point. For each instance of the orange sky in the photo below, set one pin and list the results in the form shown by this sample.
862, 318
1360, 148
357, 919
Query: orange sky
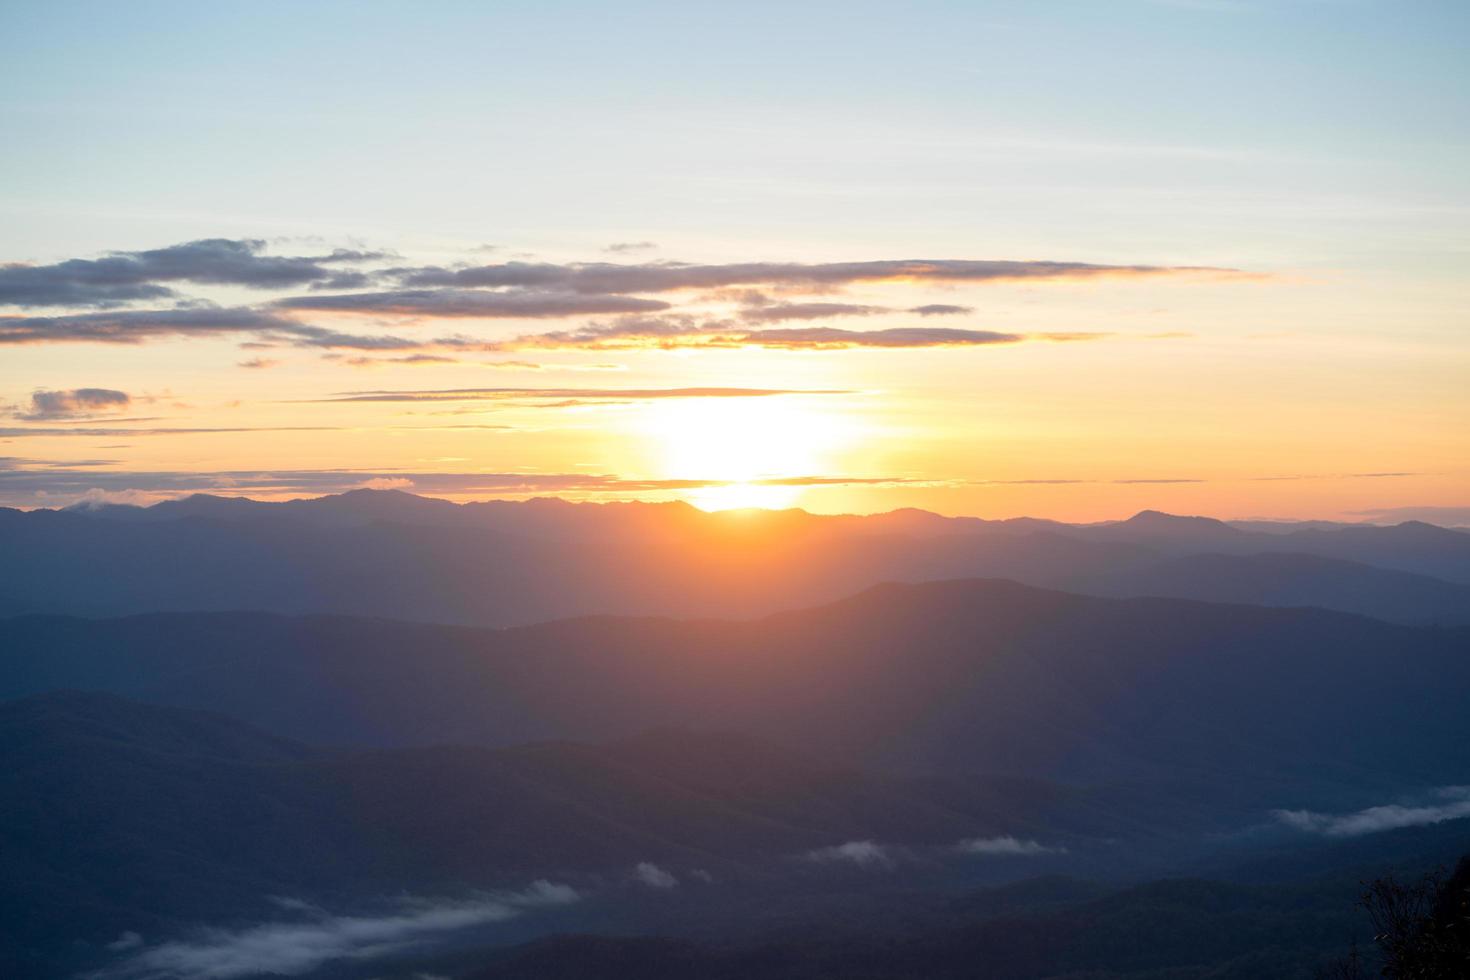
1068, 260
1237, 395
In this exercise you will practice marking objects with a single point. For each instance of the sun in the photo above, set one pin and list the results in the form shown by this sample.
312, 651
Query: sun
743, 444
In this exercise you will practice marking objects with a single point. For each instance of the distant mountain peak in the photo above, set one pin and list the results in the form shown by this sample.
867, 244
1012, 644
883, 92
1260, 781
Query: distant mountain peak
1158, 518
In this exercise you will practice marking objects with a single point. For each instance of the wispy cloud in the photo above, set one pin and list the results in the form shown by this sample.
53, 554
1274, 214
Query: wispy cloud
90, 431
479, 303
833, 338
1006, 846
862, 853
1448, 803
653, 876
583, 394
673, 331
291, 948
609, 278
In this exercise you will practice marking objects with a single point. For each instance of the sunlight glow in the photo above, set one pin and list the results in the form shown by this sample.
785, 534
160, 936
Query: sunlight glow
743, 441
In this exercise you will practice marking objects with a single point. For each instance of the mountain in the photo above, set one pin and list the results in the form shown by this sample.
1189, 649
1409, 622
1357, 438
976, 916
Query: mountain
967, 675
1293, 580
506, 563
1178, 929
123, 819
120, 817
487, 564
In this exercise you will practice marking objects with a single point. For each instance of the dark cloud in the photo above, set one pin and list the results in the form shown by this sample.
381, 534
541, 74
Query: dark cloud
516, 304
673, 329
608, 278
133, 326
304, 335
582, 394
682, 330
196, 320
75, 403
941, 309
122, 277
345, 280
776, 312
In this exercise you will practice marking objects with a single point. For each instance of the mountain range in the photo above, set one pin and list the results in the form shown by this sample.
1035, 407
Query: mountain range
540, 739
507, 563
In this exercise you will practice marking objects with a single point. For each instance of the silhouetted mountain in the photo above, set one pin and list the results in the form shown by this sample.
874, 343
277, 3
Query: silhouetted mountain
1294, 580
489, 564
498, 563
965, 675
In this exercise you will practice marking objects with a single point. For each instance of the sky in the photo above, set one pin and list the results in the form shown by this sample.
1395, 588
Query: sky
1070, 260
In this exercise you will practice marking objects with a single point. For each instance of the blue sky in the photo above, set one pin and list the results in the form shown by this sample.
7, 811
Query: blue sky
1212, 126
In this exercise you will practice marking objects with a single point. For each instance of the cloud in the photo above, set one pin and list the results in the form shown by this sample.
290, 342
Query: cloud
75, 403
654, 877
611, 278
194, 320
776, 312
832, 338
21, 480
863, 853
583, 394
941, 309
296, 947
672, 331
454, 303
1006, 846
132, 326
260, 363
327, 283
415, 359
1449, 803
126, 941
631, 247
97, 497
122, 277
88, 431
